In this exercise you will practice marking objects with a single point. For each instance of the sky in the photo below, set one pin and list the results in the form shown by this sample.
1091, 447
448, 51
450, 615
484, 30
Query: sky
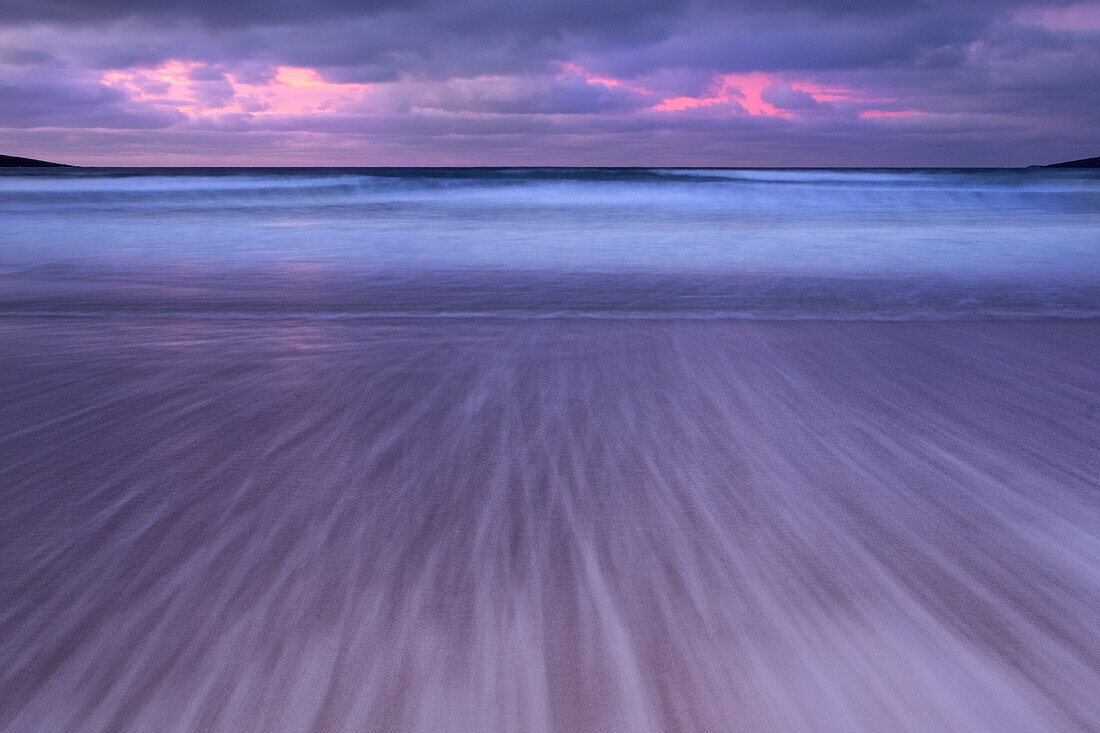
535, 82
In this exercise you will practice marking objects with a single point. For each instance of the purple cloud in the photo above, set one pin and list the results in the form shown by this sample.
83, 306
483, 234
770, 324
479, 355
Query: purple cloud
786, 97
814, 82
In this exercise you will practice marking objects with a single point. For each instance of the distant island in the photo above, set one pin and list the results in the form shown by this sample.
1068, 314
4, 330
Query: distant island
1083, 163
12, 161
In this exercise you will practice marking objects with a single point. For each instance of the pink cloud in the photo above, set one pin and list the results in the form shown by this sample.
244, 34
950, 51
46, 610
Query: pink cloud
291, 90
742, 90
1079, 17
746, 91
289, 97
608, 81
871, 114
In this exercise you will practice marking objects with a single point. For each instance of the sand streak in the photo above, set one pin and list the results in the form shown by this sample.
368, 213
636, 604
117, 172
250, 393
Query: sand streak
457, 525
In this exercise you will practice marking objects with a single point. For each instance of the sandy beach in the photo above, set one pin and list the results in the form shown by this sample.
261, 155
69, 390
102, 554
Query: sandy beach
447, 524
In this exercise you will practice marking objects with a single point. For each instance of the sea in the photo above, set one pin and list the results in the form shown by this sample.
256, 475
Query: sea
561, 449
700, 243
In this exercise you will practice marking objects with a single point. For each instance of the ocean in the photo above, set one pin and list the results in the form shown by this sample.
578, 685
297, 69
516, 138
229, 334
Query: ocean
703, 243
549, 449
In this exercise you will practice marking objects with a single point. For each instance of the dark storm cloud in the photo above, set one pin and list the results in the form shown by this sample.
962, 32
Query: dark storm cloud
529, 16
808, 38
436, 34
25, 57
785, 96
467, 13
245, 12
59, 100
380, 40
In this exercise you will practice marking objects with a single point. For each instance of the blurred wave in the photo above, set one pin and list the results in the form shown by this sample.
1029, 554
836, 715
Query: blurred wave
731, 243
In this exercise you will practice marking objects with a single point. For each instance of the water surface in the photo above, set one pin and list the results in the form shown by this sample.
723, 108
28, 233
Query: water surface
749, 243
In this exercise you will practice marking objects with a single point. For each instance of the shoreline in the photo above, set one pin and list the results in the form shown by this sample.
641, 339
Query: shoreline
551, 524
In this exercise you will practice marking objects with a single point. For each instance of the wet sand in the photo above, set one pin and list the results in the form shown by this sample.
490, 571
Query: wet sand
569, 525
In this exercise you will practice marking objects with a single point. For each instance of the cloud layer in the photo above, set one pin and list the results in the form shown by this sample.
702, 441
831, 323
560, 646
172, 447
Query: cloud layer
649, 82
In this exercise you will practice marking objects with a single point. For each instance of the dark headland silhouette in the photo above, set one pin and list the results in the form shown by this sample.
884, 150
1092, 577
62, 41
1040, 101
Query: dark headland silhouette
1083, 163
12, 161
